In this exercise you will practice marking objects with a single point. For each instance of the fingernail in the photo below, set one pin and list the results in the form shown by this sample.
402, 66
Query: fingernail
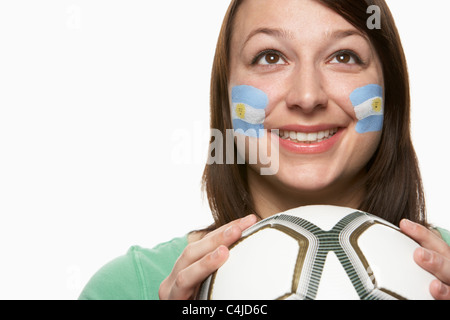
443, 289
246, 220
426, 255
216, 253
409, 224
228, 231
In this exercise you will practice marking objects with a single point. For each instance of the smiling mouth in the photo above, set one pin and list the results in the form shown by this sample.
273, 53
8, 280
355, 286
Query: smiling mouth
307, 137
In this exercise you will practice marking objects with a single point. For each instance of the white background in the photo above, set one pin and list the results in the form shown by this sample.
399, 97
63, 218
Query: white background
104, 128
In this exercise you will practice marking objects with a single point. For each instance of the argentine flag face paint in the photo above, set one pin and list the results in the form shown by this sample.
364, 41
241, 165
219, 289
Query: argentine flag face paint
369, 108
248, 112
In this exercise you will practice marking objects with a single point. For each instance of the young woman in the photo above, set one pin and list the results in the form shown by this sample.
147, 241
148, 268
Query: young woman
313, 66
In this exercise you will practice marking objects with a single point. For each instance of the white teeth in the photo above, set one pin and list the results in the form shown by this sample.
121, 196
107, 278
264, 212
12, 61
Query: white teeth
301, 136
293, 135
309, 137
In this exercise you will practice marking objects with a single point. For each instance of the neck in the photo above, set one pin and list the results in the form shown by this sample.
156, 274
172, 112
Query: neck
271, 197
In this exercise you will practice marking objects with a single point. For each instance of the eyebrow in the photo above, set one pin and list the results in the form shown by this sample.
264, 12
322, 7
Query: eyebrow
275, 32
340, 34
284, 34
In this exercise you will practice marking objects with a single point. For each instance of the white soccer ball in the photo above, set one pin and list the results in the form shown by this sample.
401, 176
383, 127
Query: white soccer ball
321, 253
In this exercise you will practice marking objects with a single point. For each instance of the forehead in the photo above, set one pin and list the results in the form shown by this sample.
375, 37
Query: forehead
300, 19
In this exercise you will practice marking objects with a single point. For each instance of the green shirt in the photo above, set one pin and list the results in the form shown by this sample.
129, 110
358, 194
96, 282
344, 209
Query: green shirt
445, 234
138, 274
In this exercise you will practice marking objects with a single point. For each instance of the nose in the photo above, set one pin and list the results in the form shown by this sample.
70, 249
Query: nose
305, 91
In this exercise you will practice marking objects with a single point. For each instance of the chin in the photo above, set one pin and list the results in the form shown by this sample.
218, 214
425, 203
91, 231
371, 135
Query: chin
306, 180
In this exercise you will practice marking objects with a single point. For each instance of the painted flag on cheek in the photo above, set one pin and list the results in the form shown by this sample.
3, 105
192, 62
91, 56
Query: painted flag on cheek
248, 112
369, 108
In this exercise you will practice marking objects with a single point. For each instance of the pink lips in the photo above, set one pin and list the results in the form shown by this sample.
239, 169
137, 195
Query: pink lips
310, 147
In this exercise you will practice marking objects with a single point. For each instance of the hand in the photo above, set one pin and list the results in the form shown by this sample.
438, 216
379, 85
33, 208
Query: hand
434, 256
200, 259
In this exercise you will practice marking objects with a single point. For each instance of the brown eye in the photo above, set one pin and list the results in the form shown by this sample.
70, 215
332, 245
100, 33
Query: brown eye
272, 58
343, 58
347, 58
269, 57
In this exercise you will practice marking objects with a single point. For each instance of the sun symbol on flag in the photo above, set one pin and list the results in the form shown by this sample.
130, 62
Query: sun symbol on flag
376, 105
240, 110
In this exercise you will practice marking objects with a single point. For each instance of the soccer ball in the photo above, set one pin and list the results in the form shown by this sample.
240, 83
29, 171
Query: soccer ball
321, 253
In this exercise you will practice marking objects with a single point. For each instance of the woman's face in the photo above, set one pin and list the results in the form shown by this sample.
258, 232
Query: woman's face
314, 67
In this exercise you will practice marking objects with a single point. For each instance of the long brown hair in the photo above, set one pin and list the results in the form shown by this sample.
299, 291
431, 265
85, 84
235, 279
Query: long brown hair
393, 181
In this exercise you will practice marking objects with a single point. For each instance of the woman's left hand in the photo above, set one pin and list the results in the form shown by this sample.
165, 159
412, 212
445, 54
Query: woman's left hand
433, 256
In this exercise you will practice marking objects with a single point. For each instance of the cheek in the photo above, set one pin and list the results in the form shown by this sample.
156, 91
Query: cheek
368, 104
248, 106
273, 88
338, 91
363, 103
365, 146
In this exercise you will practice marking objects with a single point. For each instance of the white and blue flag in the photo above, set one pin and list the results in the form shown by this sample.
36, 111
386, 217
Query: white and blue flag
248, 112
369, 108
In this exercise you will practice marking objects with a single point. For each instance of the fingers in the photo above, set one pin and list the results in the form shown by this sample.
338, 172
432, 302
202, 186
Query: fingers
433, 256
425, 237
187, 280
439, 290
225, 235
434, 263
242, 224
196, 250
201, 258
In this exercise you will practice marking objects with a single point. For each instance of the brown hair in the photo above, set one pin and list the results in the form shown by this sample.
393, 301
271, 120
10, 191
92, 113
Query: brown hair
393, 181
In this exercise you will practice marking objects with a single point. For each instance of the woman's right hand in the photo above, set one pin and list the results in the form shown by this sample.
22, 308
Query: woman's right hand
200, 259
